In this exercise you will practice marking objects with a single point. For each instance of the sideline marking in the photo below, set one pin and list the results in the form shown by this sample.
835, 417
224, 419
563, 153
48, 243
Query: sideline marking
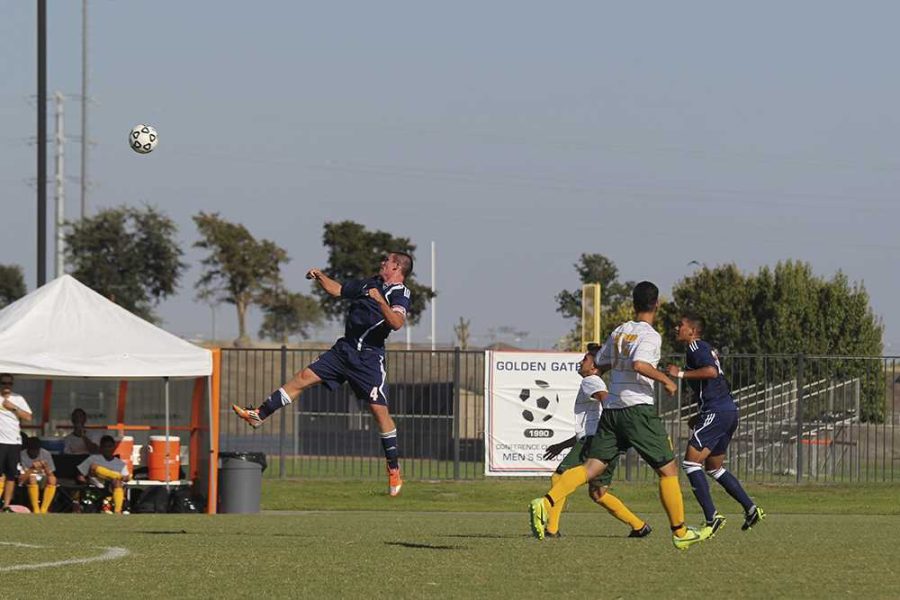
112, 553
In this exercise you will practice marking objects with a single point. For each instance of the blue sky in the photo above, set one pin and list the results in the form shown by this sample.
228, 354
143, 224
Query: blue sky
516, 135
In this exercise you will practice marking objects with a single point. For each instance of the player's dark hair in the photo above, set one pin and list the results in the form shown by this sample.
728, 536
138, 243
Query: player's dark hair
645, 296
31, 441
405, 261
107, 437
695, 320
593, 348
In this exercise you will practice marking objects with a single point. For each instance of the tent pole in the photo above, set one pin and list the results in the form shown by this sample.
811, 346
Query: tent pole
166, 380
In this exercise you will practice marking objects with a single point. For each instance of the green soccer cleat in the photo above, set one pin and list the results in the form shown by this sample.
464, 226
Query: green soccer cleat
753, 517
689, 539
538, 519
711, 529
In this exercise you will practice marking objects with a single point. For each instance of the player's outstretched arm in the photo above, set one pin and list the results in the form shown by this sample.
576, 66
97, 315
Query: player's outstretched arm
332, 287
707, 372
648, 370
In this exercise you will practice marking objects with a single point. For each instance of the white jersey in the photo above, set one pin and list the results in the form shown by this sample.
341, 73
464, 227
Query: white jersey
630, 342
10, 432
116, 464
73, 444
25, 461
588, 408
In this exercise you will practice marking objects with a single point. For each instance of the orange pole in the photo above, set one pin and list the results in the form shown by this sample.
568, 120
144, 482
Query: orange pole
196, 408
120, 404
215, 388
48, 395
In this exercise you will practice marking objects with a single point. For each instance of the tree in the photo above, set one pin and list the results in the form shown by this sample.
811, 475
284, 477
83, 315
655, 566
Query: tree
356, 253
789, 311
615, 298
239, 269
461, 330
289, 313
12, 284
128, 255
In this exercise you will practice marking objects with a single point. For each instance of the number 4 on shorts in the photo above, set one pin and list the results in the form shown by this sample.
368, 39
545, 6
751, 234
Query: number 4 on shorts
374, 394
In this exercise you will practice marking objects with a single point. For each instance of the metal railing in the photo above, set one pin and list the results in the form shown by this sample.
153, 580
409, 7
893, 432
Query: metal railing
803, 418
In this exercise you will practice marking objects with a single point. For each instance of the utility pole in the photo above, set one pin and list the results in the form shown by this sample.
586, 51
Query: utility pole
41, 142
433, 300
60, 140
84, 101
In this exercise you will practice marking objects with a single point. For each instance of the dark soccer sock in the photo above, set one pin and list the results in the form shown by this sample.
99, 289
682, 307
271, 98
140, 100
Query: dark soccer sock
276, 401
733, 487
701, 488
389, 443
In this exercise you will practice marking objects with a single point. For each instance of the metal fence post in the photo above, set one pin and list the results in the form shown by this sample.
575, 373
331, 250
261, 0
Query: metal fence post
284, 416
800, 365
456, 415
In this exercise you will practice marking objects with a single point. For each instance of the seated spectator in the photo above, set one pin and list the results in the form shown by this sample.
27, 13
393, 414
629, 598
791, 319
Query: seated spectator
36, 470
80, 441
106, 470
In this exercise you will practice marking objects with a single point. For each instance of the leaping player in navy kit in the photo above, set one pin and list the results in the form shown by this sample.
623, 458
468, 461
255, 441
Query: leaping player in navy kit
712, 427
378, 306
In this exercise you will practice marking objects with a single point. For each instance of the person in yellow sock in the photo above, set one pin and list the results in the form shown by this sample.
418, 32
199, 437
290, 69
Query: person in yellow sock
106, 470
588, 407
37, 470
629, 419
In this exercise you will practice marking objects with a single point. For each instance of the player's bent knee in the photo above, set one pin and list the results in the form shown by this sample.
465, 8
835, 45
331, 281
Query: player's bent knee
597, 492
716, 473
691, 467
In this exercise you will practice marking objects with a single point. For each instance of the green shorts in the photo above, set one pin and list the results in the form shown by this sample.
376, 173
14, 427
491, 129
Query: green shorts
572, 460
637, 427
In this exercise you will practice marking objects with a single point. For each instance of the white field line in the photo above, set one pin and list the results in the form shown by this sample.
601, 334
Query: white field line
112, 553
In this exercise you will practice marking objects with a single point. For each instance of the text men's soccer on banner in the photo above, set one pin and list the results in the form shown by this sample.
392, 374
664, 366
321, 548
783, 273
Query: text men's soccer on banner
529, 404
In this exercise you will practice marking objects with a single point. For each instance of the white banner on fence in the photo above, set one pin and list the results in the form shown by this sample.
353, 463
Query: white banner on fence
528, 404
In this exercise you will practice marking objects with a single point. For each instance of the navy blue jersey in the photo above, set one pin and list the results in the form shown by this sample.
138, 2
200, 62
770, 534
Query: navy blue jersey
365, 326
712, 394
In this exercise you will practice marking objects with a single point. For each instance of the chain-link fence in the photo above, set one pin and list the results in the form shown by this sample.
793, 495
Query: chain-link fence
803, 418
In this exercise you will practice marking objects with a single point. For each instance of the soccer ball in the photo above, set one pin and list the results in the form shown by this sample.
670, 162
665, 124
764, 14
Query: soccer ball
143, 139
537, 406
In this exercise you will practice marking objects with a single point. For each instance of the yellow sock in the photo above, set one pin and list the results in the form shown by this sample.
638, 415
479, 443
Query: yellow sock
34, 495
118, 499
49, 493
106, 473
556, 510
670, 495
567, 483
618, 509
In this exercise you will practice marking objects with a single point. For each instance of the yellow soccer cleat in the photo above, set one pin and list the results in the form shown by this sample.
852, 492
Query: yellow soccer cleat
691, 537
538, 514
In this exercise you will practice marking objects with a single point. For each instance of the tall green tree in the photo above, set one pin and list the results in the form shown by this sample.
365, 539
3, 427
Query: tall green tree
127, 254
355, 252
239, 269
12, 284
788, 310
286, 314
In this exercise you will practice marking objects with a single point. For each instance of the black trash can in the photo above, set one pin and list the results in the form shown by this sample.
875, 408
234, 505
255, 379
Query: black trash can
240, 481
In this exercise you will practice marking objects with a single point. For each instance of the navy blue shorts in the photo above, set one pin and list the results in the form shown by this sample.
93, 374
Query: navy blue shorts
714, 431
362, 369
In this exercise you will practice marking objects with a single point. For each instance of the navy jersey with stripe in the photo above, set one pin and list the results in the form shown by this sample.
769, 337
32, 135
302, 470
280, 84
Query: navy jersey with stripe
712, 394
364, 326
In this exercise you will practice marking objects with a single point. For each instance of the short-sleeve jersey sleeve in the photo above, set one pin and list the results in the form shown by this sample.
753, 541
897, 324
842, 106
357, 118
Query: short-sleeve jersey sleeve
700, 355
353, 288
85, 466
399, 298
648, 348
592, 385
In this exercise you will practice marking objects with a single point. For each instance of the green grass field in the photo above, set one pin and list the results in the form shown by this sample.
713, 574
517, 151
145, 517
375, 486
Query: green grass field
345, 538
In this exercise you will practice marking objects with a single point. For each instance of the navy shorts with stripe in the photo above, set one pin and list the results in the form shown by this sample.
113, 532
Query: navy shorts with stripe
362, 369
714, 430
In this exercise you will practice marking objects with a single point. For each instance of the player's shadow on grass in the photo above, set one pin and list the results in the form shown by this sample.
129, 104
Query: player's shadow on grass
165, 532
497, 536
424, 546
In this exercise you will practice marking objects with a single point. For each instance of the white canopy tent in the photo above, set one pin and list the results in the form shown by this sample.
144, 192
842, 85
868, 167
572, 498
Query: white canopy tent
66, 330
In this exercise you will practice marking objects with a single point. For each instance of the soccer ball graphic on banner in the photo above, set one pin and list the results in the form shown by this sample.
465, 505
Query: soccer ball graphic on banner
538, 408
143, 139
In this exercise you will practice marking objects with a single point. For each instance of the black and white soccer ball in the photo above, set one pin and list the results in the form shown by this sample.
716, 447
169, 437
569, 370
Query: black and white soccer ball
143, 139
538, 405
